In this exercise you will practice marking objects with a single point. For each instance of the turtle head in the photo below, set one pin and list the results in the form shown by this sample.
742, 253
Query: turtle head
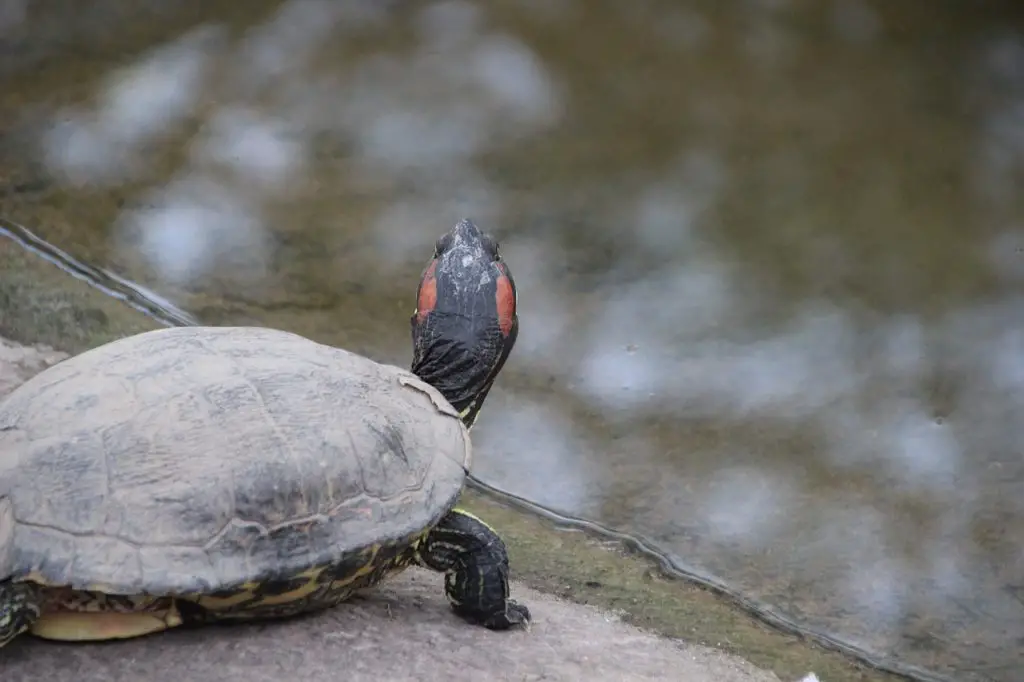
465, 322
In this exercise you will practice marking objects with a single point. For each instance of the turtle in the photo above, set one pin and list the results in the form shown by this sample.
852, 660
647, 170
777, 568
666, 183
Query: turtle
200, 474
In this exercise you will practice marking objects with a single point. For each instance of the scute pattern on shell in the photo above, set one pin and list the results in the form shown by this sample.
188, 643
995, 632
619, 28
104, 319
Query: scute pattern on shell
193, 459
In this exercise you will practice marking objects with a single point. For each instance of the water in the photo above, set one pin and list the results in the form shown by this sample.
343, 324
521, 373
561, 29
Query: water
770, 255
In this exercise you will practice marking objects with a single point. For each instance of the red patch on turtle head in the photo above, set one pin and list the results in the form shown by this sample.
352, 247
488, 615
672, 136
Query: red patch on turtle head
505, 300
426, 299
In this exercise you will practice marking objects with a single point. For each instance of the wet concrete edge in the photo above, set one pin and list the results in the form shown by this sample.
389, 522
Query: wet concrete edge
39, 304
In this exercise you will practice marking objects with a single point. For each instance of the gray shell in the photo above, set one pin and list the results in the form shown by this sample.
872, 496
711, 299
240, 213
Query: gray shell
197, 458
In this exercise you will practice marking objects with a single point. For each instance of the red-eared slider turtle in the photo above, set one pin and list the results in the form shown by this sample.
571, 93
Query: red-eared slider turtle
201, 474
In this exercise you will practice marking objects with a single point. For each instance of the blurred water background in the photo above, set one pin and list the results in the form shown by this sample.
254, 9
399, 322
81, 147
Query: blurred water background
770, 254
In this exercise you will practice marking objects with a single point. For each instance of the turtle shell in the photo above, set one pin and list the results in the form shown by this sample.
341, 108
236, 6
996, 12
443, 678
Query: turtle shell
194, 459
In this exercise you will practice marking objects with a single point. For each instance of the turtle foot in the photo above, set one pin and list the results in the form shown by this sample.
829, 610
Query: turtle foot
513, 615
20, 607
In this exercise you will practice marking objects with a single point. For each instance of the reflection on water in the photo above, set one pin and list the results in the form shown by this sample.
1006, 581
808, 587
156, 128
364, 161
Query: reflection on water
770, 256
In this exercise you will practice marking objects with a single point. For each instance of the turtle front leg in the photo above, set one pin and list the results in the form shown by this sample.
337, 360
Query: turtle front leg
475, 563
20, 607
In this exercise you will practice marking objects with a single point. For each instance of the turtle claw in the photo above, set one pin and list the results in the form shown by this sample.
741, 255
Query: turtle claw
513, 615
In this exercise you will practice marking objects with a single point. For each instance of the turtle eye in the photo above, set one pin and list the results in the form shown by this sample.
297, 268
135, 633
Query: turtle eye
442, 244
493, 247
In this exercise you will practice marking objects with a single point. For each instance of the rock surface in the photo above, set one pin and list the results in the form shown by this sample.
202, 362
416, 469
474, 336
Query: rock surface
401, 631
